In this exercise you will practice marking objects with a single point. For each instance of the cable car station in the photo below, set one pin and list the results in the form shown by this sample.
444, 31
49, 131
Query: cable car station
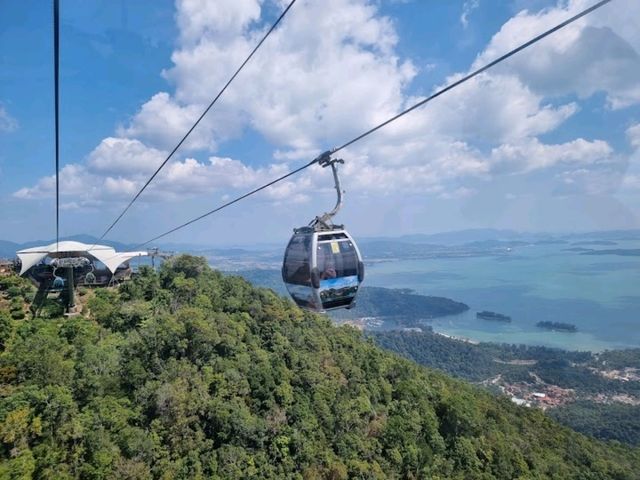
65, 265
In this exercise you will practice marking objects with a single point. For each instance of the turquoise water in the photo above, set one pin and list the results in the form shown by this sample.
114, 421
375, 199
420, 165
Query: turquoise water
599, 294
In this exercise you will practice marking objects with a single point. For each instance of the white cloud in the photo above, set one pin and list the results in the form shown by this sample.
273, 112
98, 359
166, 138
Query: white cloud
597, 53
468, 7
491, 108
162, 122
619, 175
100, 181
460, 192
532, 154
631, 182
7, 122
201, 20
124, 156
330, 72
633, 134
599, 181
74, 180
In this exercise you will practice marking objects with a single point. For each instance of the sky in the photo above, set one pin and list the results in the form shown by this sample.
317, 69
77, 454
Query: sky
547, 141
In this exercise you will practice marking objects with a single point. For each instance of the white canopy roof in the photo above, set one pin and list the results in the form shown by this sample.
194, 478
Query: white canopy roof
104, 253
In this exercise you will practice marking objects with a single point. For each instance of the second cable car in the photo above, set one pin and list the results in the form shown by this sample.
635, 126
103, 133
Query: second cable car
322, 267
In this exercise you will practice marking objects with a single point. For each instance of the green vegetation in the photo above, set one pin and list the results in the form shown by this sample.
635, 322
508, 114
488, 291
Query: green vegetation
608, 421
559, 326
17, 291
477, 362
498, 317
617, 359
387, 302
574, 370
190, 374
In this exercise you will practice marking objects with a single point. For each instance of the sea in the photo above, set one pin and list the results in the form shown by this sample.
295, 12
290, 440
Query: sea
599, 294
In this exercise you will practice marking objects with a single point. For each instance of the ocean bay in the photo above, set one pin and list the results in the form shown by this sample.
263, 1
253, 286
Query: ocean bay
600, 294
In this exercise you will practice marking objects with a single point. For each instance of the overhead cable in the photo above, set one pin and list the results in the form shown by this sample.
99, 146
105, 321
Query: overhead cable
327, 154
137, 195
211, 212
56, 75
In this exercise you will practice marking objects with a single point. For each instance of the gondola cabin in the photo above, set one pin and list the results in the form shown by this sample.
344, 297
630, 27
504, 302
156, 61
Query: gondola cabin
323, 269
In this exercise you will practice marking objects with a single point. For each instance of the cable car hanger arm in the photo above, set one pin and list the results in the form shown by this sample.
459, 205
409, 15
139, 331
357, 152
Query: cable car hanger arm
324, 221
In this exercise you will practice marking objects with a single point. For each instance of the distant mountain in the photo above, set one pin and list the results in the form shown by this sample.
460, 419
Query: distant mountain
424, 243
487, 234
623, 252
8, 249
613, 235
466, 236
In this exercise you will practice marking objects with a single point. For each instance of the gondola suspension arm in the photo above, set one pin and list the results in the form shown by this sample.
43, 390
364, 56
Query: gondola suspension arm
323, 222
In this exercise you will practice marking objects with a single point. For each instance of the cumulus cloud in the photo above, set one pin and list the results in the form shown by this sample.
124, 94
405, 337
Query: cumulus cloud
468, 7
491, 108
92, 184
633, 133
631, 179
532, 154
599, 53
619, 174
331, 71
328, 72
7, 122
117, 156
605, 180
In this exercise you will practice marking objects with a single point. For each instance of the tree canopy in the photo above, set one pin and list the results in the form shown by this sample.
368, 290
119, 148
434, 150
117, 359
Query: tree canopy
187, 373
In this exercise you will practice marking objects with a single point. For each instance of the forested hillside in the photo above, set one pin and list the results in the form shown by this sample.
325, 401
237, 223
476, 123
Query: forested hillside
187, 373
494, 364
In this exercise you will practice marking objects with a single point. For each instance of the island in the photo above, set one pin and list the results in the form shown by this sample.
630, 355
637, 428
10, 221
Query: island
498, 317
560, 326
623, 252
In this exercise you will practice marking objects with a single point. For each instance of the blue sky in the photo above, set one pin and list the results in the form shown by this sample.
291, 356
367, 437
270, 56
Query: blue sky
547, 142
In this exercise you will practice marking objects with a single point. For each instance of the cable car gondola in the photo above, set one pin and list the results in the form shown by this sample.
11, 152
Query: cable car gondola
322, 266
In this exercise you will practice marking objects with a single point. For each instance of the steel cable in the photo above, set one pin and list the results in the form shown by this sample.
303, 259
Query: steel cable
56, 75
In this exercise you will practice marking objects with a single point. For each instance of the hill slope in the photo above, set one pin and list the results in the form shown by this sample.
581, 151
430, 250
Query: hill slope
191, 374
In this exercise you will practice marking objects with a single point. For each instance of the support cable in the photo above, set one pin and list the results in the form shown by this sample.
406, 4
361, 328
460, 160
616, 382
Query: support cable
326, 155
56, 75
293, 172
137, 195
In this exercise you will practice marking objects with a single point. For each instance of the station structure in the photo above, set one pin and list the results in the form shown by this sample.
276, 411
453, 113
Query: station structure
65, 265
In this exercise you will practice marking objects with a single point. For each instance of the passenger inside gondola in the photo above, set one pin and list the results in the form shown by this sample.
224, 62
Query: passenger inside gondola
326, 262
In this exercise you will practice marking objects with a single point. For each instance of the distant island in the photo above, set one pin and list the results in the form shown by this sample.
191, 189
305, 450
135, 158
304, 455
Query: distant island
562, 327
498, 317
624, 252
595, 242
